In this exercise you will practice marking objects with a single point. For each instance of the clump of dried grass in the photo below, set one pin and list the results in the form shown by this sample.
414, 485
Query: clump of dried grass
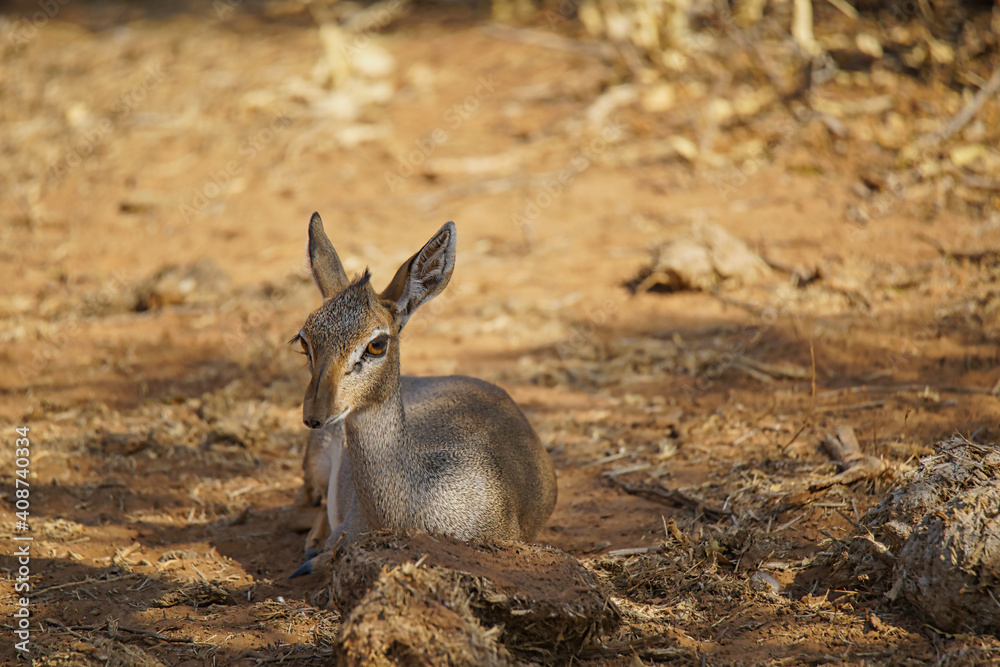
93, 651
324, 624
681, 589
673, 568
199, 594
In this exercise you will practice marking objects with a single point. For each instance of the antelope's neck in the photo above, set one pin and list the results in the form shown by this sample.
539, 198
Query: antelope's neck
383, 464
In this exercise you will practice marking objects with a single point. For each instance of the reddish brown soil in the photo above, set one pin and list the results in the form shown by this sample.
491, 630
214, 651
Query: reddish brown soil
166, 444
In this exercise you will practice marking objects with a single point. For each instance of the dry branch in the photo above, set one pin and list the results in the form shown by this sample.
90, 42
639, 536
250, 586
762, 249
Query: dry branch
645, 647
548, 40
120, 628
670, 497
802, 26
812, 398
779, 371
88, 580
845, 450
870, 405
946, 389
969, 111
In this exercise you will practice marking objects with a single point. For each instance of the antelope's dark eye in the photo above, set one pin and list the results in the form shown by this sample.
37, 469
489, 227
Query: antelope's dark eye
377, 347
302, 343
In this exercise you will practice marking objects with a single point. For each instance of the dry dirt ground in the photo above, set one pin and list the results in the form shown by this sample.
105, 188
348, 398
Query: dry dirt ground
159, 170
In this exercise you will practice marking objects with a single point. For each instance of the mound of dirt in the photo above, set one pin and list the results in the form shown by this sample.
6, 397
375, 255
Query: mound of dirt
936, 538
417, 616
542, 599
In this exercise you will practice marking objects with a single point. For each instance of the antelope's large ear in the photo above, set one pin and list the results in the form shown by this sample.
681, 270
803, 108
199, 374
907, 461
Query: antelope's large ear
423, 276
327, 270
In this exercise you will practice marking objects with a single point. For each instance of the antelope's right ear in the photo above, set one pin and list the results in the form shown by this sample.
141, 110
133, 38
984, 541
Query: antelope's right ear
327, 270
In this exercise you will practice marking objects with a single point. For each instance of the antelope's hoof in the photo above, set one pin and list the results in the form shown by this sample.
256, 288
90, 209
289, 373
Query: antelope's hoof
304, 569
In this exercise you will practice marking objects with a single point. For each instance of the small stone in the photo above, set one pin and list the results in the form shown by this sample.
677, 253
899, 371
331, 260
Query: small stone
659, 98
373, 61
964, 155
869, 45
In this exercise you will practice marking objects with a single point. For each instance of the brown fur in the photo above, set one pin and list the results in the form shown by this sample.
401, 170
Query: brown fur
451, 455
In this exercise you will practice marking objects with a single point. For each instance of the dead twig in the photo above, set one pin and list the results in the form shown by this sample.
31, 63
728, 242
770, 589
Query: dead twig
853, 408
980, 258
634, 551
287, 656
755, 310
84, 582
846, 8
946, 389
548, 40
156, 635
646, 647
881, 388
670, 497
844, 447
72, 629
750, 45
801, 275
845, 450
967, 113
812, 399
781, 371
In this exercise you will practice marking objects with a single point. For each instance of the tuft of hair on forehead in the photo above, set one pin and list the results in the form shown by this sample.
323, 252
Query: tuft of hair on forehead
357, 293
344, 316
362, 280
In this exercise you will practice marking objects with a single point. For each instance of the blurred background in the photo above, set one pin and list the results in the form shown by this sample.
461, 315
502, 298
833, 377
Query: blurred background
691, 236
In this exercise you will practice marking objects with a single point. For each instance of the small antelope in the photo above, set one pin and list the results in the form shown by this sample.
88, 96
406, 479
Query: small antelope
452, 455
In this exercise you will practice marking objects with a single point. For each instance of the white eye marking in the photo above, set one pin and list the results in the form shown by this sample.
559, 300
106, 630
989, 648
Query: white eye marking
361, 352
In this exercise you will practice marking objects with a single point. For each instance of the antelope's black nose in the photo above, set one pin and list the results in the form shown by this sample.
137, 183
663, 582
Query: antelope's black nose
312, 423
